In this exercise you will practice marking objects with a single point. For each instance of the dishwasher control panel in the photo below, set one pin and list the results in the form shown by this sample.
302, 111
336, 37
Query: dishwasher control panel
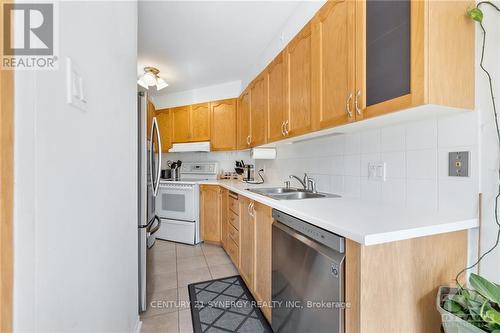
324, 237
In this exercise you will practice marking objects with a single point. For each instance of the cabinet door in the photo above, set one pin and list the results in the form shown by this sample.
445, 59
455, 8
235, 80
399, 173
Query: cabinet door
258, 111
224, 207
165, 126
223, 122
276, 83
333, 31
200, 122
180, 124
300, 83
244, 120
263, 256
246, 241
389, 55
210, 213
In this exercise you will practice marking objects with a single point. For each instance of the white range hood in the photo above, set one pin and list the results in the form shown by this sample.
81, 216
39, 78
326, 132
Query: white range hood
190, 147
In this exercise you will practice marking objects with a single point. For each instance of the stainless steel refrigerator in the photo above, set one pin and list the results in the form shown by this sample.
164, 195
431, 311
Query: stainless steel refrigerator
149, 150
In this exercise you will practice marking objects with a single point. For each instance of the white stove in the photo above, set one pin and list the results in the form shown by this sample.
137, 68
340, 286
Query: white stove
177, 203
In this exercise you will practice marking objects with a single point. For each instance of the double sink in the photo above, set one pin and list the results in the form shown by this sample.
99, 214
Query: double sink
289, 193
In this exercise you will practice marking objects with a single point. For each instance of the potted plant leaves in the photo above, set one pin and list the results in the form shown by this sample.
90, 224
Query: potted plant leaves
474, 310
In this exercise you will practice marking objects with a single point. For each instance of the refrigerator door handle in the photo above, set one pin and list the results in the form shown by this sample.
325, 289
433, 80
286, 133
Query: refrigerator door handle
159, 157
152, 230
155, 182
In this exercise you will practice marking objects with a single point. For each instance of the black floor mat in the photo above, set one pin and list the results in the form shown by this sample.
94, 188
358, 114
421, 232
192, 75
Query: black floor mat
225, 305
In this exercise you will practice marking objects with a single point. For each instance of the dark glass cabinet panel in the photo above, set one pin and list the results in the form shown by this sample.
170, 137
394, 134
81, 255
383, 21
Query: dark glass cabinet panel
388, 56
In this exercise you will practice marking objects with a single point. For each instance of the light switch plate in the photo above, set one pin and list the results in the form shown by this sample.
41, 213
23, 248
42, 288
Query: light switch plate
458, 164
376, 171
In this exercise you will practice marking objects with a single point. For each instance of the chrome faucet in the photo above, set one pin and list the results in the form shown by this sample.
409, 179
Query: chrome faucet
302, 182
307, 183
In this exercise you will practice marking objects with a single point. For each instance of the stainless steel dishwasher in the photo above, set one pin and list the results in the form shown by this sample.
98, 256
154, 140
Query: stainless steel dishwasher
307, 277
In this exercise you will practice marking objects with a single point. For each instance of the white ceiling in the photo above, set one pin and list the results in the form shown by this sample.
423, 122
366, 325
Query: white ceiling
201, 43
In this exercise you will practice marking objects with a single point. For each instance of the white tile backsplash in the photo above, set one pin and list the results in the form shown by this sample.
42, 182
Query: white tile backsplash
370, 142
421, 164
392, 139
394, 191
395, 163
459, 130
422, 194
226, 160
352, 165
352, 143
421, 135
415, 154
370, 189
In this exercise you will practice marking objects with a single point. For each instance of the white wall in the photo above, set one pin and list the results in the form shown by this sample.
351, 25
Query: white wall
489, 181
75, 215
199, 95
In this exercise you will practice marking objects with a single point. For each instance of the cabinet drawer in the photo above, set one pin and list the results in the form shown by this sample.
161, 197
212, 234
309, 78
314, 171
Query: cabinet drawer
234, 220
233, 251
233, 205
234, 234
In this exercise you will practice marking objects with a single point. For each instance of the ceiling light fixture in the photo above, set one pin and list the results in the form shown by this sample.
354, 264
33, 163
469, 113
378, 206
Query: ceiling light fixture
151, 78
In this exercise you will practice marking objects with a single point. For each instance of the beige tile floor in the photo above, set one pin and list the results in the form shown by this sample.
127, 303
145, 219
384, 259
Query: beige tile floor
171, 267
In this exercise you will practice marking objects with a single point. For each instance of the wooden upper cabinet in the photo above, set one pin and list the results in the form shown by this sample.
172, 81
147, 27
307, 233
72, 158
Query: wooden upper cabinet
165, 126
300, 83
258, 111
243, 133
276, 87
334, 33
396, 41
200, 122
180, 124
223, 124
210, 213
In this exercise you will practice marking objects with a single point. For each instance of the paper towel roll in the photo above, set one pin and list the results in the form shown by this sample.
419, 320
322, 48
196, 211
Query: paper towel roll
263, 153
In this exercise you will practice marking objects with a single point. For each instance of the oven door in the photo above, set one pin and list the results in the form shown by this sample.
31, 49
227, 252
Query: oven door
176, 201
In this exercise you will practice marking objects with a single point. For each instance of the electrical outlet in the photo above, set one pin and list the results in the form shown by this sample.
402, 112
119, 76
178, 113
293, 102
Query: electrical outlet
376, 171
458, 164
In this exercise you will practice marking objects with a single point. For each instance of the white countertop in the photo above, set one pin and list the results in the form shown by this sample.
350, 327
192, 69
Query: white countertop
364, 222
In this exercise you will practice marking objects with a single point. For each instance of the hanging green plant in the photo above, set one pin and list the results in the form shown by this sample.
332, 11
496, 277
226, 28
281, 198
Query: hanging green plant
480, 305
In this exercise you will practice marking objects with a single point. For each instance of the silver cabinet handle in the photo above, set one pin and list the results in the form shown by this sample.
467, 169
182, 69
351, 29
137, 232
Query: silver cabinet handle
348, 106
283, 128
286, 127
356, 102
248, 208
249, 139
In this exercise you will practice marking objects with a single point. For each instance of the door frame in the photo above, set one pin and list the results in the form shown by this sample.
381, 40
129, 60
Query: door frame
7, 191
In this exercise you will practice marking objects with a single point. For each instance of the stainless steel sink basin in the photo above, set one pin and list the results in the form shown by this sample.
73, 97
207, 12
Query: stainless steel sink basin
272, 190
282, 193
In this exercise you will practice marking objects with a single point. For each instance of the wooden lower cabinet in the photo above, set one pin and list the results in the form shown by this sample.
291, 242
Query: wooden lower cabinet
223, 212
247, 242
392, 287
389, 287
210, 213
263, 256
